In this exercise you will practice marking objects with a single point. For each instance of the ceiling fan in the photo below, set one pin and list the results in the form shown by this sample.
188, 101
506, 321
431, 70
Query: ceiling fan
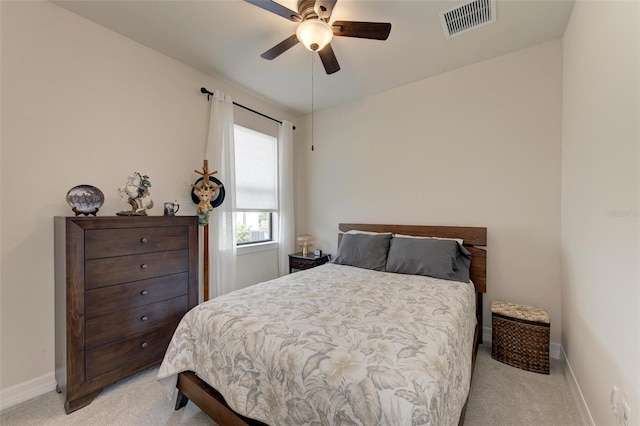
315, 32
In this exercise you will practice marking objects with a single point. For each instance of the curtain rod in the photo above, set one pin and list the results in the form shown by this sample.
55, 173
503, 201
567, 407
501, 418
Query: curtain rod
209, 94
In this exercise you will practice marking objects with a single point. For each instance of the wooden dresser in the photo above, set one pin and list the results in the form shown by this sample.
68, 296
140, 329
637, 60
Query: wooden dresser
122, 286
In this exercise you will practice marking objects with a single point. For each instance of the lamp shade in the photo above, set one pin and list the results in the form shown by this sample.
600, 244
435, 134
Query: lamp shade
315, 34
305, 241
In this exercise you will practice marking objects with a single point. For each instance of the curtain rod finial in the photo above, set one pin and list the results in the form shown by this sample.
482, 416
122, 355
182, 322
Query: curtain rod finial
206, 92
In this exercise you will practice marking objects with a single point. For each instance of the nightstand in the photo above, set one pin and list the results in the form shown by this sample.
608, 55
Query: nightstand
299, 262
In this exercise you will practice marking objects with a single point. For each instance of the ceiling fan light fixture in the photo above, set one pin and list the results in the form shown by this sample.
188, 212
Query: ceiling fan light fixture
315, 34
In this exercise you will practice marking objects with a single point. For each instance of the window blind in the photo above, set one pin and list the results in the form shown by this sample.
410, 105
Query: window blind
256, 170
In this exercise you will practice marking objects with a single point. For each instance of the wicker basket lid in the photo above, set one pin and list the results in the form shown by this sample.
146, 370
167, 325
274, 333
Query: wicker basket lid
523, 312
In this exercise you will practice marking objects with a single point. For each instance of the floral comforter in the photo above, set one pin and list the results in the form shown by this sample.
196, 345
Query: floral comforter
333, 345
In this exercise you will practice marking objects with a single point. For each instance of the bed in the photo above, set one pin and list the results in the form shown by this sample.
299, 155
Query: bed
341, 344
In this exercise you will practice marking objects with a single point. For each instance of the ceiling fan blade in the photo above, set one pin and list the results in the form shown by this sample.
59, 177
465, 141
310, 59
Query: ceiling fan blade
277, 8
329, 59
280, 48
371, 30
323, 8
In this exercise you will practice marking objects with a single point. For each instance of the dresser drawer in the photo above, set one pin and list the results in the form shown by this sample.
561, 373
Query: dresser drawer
108, 328
122, 242
116, 270
128, 355
107, 300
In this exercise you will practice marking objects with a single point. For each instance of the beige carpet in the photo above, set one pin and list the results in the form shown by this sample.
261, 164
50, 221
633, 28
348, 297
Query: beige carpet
137, 400
500, 395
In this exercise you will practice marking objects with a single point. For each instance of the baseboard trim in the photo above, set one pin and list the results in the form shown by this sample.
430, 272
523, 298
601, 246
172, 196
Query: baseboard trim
576, 393
554, 347
26, 390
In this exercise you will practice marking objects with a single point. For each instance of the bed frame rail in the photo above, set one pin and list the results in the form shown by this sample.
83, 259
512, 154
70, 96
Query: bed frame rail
209, 400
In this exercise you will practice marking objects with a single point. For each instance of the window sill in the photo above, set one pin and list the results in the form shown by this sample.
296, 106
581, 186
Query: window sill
255, 248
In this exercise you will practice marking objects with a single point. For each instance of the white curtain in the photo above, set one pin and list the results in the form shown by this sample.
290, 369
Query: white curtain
222, 227
286, 219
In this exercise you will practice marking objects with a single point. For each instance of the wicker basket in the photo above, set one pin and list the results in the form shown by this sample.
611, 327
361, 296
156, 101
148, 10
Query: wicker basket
520, 336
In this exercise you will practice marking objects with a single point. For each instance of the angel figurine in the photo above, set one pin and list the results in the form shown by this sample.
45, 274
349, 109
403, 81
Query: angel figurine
137, 191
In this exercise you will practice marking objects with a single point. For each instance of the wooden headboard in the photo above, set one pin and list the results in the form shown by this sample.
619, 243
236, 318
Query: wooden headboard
473, 236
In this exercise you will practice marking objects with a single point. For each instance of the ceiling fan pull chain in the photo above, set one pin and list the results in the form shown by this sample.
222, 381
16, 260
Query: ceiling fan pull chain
313, 59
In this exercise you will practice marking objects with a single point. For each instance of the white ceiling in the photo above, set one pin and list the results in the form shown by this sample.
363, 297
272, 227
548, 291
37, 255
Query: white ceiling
224, 38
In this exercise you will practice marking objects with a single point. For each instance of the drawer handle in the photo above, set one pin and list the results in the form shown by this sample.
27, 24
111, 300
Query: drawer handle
144, 345
144, 266
144, 292
144, 318
144, 240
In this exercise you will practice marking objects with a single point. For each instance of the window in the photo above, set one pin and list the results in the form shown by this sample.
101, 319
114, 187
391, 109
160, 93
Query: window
253, 227
256, 157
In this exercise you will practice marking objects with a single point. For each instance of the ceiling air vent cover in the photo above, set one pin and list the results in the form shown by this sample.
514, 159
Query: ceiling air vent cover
468, 16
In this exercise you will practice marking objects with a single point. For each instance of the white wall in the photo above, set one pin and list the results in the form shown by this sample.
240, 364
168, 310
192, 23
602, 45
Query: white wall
255, 266
600, 210
479, 146
81, 104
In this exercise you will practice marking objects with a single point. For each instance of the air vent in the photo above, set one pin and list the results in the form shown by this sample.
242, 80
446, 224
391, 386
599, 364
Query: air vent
467, 16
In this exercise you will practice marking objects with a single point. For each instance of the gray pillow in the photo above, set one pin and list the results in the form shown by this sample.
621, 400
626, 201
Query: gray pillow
364, 251
443, 259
